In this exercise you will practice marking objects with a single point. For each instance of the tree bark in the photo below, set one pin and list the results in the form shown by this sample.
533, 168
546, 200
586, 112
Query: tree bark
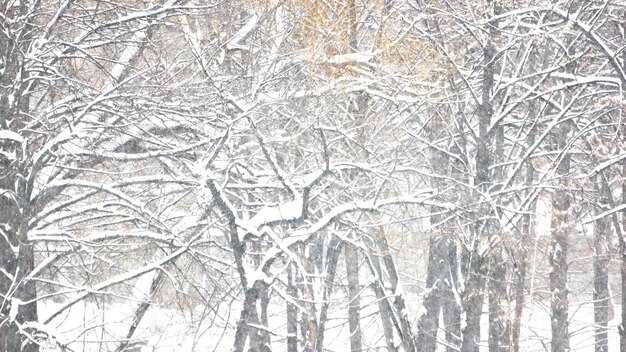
379, 249
474, 260
562, 226
18, 301
619, 229
332, 258
473, 298
450, 303
248, 315
354, 288
558, 276
399, 305
260, 338
440, 297
384, 308
527, 235
498, 321
428, 321
622, 248
18, 304
601, 257
292, 312
518, 288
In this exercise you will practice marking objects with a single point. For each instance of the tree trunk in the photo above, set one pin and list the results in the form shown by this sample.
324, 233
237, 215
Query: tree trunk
18, 295
251, 294
473, 298
518, 292
408, 340
17, 260
262, 338
558, 275
519, 277
250, 315
474, 261
247, 313
450, 304
619, 228
498, 321
440, 296
527, 235
622, 250
562, 226
615, 221
292, 312
384, 308
332, 258
313, 251
354, 288
18, 304
601, 298
428, 321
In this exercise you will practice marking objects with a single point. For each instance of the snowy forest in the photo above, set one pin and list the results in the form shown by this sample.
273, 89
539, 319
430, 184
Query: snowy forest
313, 175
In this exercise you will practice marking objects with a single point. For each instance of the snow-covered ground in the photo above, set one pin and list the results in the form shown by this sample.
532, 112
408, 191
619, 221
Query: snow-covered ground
92, 326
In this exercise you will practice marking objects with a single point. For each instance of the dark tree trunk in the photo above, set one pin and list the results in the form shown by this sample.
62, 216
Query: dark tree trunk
440, 286
519, 277
408, 340
527, 235
384, 308
18, 304
262, 338
251, 294
499, 331
292, 313
558, 275
601, 260
392, 316
474, 261
18, 295
16, 291
473, 298
247, 316
354, 288
332, 258
601, 298
428, 322
450, 304
622, 249
258, 338
314, 264
562, 226
499, 321
440, 292
518, 288
619, 229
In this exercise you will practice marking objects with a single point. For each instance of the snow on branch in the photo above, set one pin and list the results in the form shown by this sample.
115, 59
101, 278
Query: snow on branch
124, 277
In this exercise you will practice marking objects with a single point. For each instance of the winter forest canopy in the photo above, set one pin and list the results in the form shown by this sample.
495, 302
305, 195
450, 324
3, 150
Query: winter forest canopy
312, 175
